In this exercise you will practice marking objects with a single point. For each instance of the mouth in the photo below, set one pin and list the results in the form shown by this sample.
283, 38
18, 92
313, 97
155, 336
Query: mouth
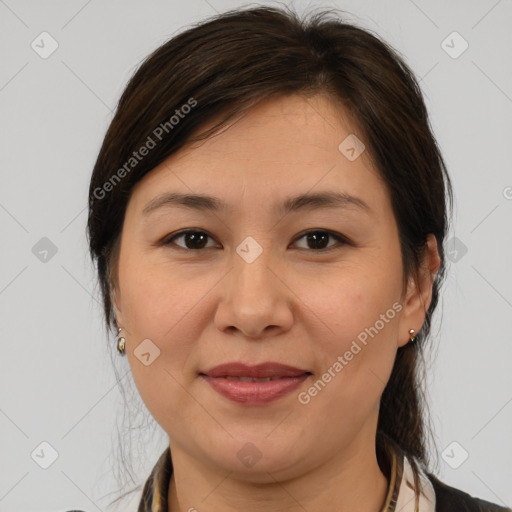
254, 385
252, 379
268, 370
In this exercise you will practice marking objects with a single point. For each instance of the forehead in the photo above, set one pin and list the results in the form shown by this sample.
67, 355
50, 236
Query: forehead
282, 147
282, 129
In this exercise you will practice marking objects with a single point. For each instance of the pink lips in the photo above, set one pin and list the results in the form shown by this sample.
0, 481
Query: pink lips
232, 380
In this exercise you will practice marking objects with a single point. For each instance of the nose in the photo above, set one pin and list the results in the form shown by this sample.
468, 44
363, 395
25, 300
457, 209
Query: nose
255, 299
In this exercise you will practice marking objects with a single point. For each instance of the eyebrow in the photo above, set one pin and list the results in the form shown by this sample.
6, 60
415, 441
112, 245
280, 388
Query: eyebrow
307, 201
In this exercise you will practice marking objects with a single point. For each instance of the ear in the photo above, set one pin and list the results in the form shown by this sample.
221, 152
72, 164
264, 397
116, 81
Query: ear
419, 295
116, 305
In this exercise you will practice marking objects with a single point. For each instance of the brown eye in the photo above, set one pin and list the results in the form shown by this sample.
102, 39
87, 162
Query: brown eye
191, 239
319, 240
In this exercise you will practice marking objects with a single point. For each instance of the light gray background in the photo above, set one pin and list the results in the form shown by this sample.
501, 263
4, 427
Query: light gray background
56, 379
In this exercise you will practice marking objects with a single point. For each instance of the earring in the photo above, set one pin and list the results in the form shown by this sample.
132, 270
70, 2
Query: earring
412, 335
120, 342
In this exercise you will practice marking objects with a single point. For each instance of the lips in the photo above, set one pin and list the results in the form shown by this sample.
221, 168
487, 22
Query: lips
241, 371
254, 385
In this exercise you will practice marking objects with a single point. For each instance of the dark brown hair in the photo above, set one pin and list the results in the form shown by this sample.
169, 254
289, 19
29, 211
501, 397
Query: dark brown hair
224, 66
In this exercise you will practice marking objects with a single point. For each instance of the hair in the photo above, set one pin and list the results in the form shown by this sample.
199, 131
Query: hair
223, 67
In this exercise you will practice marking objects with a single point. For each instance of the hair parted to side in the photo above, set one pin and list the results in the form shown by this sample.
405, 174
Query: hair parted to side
232, 61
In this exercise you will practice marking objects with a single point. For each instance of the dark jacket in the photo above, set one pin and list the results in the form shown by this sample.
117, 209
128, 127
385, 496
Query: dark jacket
449, 499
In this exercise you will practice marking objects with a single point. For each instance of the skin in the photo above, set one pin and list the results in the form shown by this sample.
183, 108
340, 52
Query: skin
294, 304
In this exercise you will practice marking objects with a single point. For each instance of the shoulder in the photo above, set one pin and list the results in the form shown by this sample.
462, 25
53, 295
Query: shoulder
449, 499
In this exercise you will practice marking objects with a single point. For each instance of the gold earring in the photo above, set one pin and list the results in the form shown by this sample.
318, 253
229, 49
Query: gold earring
120, 342
412, 335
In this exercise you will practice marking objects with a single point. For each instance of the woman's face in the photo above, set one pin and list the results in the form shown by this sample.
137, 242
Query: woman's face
265, 278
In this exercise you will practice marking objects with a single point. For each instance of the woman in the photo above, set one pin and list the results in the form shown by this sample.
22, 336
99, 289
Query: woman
267, 215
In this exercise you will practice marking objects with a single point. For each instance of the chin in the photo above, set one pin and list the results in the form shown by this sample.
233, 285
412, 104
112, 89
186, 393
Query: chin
253, 460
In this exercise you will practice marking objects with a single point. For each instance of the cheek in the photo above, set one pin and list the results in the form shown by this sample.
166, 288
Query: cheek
356, 339
157, 297
350, 301
157, 306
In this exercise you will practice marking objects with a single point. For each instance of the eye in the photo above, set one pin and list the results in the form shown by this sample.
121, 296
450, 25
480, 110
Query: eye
193, 239
318, 239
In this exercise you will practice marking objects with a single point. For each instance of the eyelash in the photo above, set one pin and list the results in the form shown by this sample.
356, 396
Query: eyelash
342, 240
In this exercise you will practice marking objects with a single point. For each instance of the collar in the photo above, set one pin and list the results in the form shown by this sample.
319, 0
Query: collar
401, 495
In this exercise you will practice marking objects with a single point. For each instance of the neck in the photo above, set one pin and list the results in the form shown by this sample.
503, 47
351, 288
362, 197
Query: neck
350, 480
